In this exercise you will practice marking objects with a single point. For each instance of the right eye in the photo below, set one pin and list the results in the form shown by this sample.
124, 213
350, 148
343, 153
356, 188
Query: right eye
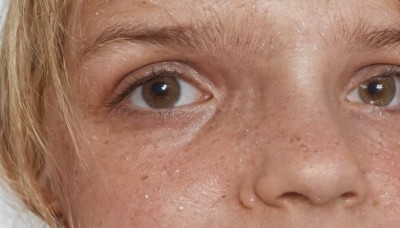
166, 90
382, 90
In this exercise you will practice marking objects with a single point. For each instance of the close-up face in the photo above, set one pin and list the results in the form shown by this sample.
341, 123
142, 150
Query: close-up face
262, 113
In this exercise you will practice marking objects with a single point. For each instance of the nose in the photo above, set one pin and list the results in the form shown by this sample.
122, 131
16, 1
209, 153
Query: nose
317, 167
316, 184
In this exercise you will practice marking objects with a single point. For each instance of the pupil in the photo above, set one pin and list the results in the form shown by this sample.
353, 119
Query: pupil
160, 89
161, 92
375, 88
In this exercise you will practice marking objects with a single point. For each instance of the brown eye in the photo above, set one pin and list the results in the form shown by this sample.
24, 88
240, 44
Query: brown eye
166, 91
161, 92
379, 91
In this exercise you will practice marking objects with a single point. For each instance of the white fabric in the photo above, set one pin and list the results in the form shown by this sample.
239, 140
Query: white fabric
12, 213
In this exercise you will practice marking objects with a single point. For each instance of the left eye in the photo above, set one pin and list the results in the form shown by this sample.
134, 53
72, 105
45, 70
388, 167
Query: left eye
380, 91
165, 91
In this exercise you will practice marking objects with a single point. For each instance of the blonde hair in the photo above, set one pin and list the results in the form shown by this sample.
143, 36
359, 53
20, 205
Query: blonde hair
31, 60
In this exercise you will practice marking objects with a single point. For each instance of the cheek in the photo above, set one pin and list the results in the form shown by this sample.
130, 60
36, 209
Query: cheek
149, 176
186, 183
377, 148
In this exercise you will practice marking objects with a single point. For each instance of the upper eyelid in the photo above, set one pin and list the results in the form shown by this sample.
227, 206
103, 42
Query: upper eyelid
369, 72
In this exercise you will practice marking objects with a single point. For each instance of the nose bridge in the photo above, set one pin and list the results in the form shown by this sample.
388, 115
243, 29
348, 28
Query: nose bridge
308, 158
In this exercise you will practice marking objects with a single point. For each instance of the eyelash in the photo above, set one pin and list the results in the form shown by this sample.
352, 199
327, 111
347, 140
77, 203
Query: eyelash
392, 72
388, 72
132, 86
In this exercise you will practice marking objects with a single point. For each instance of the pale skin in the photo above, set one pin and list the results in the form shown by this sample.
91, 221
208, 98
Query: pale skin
273, 138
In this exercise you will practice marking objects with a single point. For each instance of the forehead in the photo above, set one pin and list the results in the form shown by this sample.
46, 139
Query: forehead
180, 8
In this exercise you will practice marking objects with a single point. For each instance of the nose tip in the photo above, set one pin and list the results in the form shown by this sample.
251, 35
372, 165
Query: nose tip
316, 185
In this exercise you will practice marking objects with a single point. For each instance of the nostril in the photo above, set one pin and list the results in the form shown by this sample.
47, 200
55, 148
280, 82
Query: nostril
349, 198
292, 196
348, 195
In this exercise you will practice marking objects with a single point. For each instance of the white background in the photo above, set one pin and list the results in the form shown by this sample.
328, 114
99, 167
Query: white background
12, 213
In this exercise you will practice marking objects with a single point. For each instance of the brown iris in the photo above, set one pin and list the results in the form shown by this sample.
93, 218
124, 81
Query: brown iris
378, 91
161, 92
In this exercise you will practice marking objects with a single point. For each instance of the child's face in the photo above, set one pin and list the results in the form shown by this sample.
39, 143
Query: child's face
277, 113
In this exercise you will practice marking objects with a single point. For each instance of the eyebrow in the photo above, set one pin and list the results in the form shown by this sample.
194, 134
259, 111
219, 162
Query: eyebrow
192, 38
189, 38
364, 37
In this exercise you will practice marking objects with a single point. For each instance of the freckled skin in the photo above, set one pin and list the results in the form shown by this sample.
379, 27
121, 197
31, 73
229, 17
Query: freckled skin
277, 146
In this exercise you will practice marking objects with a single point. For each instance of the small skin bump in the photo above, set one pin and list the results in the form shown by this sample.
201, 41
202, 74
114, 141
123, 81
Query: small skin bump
247, 198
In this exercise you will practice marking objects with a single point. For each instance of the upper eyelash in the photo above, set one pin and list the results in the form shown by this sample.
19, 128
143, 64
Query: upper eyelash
132, 86
393, 71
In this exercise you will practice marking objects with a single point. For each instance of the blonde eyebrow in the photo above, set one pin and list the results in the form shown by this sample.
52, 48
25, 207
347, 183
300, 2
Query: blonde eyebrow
172, 37
363, 37
201, 37
184, 38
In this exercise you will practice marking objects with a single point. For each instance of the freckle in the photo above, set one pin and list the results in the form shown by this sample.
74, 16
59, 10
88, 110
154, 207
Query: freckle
106, 142
375, 203
298, 138
145, 177
223, 196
